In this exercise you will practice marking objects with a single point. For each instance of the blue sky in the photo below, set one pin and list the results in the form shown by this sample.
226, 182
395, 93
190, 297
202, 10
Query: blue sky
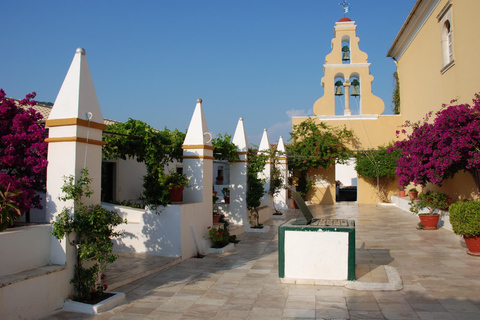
151, 60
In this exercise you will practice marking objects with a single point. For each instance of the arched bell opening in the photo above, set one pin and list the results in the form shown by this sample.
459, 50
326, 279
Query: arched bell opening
339, 91
355, 94
346, 50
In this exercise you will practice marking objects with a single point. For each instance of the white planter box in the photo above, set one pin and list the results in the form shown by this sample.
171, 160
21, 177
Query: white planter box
102, 306
228, 247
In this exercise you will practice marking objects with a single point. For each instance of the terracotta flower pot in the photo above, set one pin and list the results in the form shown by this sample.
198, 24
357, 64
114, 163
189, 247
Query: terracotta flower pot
413, 195
401, 193
429, 221
216, 218
176, 194
473, 245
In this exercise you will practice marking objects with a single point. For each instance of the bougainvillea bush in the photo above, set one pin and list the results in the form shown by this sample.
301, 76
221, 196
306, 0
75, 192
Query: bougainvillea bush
23, 151
436, 151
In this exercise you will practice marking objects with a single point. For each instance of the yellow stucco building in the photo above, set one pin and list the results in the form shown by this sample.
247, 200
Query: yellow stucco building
348, 101
436, 52
437, 58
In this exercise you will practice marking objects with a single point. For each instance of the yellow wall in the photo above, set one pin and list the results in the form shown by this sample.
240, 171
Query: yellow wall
324, 191
424, 88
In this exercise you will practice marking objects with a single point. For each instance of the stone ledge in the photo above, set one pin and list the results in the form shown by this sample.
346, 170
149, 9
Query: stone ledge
29, 274
394, 282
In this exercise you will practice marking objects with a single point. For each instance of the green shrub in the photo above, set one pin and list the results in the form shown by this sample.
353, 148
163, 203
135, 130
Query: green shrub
429, 200
465, 218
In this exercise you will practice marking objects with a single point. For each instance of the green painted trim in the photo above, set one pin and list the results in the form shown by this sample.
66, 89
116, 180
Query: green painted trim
351, 255
281, 251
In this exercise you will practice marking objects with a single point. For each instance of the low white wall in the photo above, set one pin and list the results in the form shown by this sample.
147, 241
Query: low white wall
24, 248
27, 291
148, 232
168, 233
403, 203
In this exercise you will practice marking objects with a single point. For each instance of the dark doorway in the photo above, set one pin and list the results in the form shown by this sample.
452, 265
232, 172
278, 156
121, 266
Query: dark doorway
108, 181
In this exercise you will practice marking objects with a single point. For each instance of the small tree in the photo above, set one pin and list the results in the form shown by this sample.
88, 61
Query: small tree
316, 145
276, 179
92, 229
23, 151
378, 167
255, 190
434, 152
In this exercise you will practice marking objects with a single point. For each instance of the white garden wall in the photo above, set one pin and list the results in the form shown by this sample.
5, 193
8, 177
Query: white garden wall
30, 286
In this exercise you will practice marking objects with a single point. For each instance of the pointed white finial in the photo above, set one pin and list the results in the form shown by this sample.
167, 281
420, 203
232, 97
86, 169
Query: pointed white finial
265, 142
197, 133
81, 50
240, 137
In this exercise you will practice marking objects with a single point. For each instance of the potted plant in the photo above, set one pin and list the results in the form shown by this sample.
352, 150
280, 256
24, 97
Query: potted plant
226, 194
401, 192
216, 215
413, 193
219, 236
175, 182
431, 201
465, 220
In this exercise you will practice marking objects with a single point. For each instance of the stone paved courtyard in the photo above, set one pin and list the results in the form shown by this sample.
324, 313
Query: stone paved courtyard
440, 281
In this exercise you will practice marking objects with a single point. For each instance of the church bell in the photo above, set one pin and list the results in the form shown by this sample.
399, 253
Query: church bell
346, 53
355, 91
338, 90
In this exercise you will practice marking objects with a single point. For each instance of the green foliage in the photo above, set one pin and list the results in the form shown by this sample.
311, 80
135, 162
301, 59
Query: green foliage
255, 190
9, 210
377, 163
224, 148
155, 148
429, 200
465, 218
316, 145
92, 228
396, 94
173, 178
378, 168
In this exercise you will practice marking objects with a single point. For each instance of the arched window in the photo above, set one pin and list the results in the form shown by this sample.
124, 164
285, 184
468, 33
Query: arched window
448, 40
346, 54
445, 20
339, 91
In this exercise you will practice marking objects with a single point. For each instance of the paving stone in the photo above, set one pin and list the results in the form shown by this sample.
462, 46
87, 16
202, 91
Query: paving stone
440, 280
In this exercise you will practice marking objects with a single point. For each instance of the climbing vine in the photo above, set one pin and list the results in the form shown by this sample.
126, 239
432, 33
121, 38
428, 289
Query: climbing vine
92, 229
135, 139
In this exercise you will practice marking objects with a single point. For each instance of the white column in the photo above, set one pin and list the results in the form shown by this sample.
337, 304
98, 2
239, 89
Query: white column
266, 174
75, 135
198, 159
74, 143
348, 111
281, 199
238, 178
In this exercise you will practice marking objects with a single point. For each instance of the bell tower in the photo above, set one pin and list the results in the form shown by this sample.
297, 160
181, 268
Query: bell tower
347, 81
